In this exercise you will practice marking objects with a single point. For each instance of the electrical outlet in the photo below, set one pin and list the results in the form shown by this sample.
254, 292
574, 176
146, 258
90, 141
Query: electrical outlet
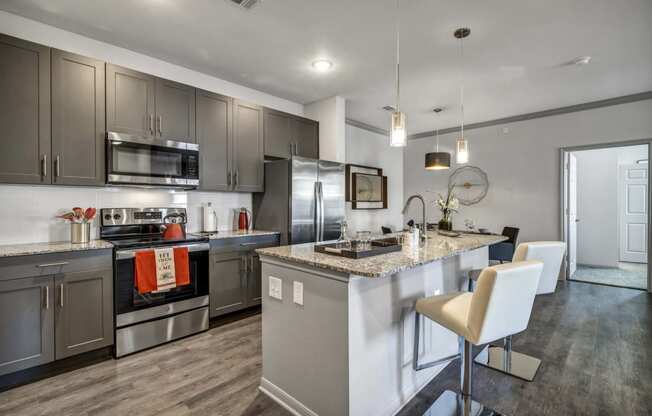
298, 293
275, 288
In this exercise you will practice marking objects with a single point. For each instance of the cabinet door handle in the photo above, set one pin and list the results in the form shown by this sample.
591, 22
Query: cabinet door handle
44, 165
160, 125
228, 178
291, 149
296, 149
243, 260
57, 166
251, 263
235, 177
61, 295
151, 124
47, 297
62, 263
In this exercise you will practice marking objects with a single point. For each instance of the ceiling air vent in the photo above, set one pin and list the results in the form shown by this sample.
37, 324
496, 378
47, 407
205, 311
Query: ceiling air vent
245, 4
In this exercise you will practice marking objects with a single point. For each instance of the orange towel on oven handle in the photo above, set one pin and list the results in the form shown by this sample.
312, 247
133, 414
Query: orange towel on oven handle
145, 269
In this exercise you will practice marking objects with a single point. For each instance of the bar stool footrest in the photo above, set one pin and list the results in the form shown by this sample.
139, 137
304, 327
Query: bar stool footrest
515, 364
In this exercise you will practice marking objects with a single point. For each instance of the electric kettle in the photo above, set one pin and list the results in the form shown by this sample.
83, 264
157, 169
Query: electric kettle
244, 220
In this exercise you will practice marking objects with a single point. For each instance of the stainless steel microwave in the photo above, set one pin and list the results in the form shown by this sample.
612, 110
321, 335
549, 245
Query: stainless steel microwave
134, 160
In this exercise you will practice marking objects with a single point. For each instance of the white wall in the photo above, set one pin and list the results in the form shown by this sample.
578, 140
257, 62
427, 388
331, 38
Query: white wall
27, 213
597, 207
372, 149
331, 114
523, 165
34, 31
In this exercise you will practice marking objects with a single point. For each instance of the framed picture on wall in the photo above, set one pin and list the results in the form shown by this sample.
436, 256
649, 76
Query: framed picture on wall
366, 187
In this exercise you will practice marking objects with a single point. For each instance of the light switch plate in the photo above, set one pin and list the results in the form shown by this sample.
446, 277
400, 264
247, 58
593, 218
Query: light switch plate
298, 293
275, 288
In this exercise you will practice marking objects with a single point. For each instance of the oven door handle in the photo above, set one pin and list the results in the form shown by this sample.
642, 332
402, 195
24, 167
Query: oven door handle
129, 254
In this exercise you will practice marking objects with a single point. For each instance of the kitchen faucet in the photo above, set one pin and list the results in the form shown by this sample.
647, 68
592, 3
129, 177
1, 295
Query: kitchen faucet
423, 214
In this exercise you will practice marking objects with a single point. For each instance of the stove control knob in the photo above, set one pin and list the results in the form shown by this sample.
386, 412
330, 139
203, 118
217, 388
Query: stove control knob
117, 216
107, 217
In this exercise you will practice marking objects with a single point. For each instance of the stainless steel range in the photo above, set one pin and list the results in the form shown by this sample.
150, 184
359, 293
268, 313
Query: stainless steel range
144, 320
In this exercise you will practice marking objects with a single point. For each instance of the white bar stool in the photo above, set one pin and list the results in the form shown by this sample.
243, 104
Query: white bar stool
501, 305
503, 358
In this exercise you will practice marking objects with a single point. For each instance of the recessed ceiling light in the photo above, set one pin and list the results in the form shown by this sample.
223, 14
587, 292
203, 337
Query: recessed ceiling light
580, 60
322, 65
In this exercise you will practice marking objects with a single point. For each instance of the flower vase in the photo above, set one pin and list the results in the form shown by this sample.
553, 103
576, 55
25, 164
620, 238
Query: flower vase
445, 225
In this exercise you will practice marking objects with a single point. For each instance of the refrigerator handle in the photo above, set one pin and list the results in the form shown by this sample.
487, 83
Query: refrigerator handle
321, 211
317, 213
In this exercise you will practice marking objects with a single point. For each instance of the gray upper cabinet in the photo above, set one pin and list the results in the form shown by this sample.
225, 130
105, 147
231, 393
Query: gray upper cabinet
306, 136
84, 312
175, 111
26, 323
214, 135
24, 111
248, 158
278, 134
228, 282
77, 119
130, 101
287, 135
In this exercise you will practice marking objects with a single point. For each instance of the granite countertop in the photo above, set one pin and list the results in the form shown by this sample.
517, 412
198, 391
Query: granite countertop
237, 233
11, 250
437, 247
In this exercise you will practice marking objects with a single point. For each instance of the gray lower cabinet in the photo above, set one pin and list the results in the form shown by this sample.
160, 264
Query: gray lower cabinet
287, 135
235, 273
130, 102
26, 323
77, 119
175, 111
84, 312
228, 283
254, 280
24, 111
248, 151
214, 135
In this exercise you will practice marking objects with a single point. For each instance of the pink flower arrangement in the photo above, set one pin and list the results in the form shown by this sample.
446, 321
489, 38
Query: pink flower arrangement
79, 215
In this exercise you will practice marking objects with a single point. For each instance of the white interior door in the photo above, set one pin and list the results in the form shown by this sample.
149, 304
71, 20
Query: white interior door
572, 214
632, 191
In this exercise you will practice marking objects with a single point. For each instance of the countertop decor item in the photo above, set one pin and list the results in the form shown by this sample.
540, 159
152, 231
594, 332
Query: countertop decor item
447, 206
469, 183
80, 224
209, 218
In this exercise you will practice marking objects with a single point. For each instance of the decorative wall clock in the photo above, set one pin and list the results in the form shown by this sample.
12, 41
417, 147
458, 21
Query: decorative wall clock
469, 184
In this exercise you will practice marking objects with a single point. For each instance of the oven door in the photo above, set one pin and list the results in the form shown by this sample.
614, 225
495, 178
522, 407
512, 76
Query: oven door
145, 161
132, 307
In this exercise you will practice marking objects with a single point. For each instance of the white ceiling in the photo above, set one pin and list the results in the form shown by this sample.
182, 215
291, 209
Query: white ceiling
512, 59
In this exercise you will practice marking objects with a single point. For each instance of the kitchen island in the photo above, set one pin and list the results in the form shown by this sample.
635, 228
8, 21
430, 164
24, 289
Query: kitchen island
338, 333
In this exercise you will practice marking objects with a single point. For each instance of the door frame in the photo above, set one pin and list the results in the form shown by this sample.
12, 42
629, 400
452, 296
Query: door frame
563, 195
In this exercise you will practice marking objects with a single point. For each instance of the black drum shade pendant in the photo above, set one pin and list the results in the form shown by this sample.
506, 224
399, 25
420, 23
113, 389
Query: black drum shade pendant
438, 160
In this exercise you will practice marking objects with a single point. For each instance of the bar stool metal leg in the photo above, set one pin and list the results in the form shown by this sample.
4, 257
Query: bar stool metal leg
507, 361
455, 404
415, 353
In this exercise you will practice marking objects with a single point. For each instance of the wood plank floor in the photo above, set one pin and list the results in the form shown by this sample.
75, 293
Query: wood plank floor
595, 343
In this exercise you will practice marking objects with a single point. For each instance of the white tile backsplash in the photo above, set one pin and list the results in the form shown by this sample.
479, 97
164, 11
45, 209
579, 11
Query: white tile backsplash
28, 213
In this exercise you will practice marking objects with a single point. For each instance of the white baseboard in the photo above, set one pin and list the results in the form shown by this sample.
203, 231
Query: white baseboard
281, 397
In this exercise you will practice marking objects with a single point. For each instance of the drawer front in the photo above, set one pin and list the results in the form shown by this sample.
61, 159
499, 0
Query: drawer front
246, 243
54, 263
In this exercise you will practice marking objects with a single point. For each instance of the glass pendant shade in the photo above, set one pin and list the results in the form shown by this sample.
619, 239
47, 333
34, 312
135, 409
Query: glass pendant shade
438, 160
462, 154
398, 135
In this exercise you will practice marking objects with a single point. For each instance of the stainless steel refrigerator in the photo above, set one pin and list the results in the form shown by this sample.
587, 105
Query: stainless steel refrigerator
303, 199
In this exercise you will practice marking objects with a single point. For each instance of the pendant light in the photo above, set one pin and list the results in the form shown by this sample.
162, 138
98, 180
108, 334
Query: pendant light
438, 160
462, 145
398, 132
